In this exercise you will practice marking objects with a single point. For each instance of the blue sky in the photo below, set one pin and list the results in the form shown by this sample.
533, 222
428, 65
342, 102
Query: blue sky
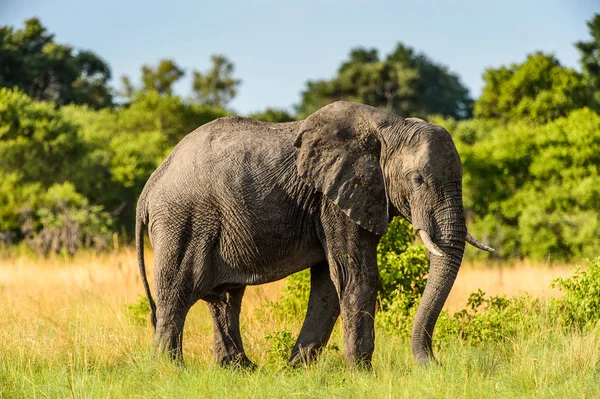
277, 46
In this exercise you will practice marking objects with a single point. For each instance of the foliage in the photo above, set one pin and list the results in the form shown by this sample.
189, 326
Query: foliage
405, 82
39, 153
590, 59
272, 115
538, 90
162, 77
47, 71
402, 265
403, 269
35, 141
532, 190
282, 343
216, 87
15, 197
139, 312
62, 220
169, 115
580, 304
492, 319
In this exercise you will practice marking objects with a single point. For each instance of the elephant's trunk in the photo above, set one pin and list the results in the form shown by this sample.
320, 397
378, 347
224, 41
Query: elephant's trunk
450, 237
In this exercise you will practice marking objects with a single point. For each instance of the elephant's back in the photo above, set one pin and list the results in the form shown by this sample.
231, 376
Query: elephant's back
230, 157
233, 140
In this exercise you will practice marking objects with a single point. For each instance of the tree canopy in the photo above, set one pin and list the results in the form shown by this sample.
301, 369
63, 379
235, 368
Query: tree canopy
590, 59
539, 90
31, 60
405, 82
216, 86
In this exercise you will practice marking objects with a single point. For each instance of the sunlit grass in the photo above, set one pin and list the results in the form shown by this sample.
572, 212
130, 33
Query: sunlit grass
65, 331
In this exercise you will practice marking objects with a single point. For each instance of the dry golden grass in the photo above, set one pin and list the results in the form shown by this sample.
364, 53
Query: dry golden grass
512, 280
115, 279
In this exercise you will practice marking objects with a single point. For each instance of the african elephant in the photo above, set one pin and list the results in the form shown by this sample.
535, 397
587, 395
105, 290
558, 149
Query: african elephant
240, 202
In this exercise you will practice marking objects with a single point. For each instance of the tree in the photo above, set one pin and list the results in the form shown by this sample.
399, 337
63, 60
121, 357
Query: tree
590, 59
538, 90
47, 71
405, 82
533, 190
35, 141
161, 78
272, 115
216, 87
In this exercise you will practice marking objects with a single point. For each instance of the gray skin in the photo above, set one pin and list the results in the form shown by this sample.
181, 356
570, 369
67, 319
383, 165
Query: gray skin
240, 202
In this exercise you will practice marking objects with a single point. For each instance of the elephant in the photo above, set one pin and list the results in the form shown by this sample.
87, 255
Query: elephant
240, 202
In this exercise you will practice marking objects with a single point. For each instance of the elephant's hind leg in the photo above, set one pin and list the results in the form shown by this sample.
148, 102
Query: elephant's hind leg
226, 321
323, 311
174, 298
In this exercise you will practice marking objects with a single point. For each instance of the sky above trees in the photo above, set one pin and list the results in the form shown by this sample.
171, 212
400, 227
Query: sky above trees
277, 46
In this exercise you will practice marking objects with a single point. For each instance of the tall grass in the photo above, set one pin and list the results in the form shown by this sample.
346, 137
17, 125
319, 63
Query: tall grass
66, 330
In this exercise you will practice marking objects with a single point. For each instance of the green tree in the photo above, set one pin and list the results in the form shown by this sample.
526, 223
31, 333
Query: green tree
48, 71
273, 115
40, 153
590, 59
405, 82
216, 87
533, 190
161, 78
170, 115
35, 141
538, 90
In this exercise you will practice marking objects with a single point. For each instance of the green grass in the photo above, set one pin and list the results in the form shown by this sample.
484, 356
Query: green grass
67, 329
549, 365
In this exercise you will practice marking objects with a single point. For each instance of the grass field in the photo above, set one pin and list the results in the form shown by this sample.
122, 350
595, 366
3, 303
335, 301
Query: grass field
66, 331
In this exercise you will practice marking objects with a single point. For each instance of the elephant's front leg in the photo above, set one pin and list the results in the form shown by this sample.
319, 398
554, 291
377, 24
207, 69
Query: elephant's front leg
323, 311
358, 295
352, 256
227, 336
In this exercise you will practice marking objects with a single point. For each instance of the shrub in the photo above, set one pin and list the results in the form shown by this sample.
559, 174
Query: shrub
139, 312
580, 303
282, 343
495, 318
62, 220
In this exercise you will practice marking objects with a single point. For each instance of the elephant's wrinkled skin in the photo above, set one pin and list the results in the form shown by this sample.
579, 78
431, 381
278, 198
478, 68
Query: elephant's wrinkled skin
240, 202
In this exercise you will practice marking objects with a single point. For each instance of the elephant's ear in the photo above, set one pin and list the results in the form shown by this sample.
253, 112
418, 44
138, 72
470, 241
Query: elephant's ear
338, 154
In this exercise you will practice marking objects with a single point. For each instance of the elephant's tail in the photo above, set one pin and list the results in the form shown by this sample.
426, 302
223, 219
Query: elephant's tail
139, 243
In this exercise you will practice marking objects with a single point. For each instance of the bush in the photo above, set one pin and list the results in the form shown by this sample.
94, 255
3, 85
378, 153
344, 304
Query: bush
139, 312
580, 303
532, 191
495, 318
62, 220
282, 343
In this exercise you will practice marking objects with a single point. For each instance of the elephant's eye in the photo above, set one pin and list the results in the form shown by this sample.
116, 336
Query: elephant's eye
416, 180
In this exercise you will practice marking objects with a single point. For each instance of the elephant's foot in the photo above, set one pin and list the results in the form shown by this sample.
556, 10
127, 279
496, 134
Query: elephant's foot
237, 360
172, 354
361, 365
304, 355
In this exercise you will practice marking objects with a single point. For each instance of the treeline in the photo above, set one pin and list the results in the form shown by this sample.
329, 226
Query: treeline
75, 152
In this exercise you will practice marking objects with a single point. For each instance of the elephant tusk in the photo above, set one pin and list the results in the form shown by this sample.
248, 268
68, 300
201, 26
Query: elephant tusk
477, 244
429, 244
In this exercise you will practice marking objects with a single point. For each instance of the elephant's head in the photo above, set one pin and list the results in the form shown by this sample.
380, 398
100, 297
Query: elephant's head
376, 165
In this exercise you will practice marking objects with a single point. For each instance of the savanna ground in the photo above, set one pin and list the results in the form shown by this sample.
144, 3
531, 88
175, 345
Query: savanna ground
70, 328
